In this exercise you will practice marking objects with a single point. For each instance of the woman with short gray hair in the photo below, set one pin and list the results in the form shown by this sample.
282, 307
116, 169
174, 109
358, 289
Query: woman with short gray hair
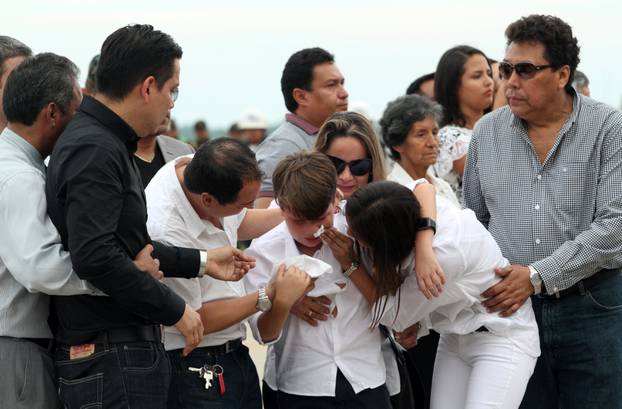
410, 129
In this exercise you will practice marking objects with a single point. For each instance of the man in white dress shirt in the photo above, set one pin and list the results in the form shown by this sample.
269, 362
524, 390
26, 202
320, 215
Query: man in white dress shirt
201, 201
33, 263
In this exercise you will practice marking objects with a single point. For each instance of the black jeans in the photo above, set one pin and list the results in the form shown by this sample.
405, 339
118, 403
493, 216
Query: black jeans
115, 376
345, 398
240, 376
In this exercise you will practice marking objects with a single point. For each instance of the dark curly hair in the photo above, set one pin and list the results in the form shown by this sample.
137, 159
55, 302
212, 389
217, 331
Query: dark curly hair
400, 115
560, 47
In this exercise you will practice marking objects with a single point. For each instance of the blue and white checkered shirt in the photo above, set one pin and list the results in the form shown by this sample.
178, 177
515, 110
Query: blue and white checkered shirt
563, 216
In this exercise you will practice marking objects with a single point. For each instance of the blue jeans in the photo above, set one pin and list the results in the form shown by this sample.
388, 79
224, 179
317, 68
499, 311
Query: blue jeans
125, 375
581, 341
240, 375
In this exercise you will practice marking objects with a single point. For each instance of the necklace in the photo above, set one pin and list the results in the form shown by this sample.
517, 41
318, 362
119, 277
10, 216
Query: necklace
142, 158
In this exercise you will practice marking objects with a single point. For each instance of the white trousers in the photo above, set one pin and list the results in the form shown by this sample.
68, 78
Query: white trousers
479, 370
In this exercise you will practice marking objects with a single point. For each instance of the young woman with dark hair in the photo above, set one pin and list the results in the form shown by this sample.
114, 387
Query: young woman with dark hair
483, 359
464, 86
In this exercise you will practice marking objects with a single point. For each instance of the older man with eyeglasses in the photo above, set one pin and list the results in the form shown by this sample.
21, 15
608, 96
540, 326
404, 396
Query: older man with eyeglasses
544, 175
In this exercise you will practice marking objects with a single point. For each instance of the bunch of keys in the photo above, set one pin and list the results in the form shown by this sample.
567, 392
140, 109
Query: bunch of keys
207, 373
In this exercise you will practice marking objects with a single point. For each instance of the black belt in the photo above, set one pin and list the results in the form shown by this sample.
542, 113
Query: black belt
150, 333
482, 329
222, 349
585, 284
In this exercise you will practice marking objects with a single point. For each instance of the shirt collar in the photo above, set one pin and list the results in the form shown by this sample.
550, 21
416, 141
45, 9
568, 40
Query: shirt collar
32, 154
111, 120
194, 224
400, 175
302, 124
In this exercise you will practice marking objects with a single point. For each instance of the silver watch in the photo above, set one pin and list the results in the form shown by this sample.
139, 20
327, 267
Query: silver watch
536, 280
263, 301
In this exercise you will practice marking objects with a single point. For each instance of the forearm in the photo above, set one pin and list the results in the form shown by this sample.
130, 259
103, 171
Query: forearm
365, 284
426, 196
177, 262
221, 314
591, 251
259, 221
263, 202
271, 323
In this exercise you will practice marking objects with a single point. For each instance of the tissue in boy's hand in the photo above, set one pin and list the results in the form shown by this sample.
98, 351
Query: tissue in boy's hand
328, 281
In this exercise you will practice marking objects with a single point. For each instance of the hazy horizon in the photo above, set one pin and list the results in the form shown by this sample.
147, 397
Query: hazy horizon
234, 54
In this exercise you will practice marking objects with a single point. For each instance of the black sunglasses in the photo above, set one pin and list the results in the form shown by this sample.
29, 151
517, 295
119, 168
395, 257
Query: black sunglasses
525, 70
357, 167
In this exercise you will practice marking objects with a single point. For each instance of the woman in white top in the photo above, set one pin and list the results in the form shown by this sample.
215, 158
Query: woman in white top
463, 85
483, 360
410, 130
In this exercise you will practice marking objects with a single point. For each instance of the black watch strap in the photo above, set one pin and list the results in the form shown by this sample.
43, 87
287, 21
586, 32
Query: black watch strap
426, 223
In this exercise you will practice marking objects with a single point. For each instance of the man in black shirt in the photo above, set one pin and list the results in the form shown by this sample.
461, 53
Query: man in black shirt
110, 351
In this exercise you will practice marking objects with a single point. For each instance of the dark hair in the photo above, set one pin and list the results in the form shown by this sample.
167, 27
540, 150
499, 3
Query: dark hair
415, 87
560, 47
400, 115
91, 76
133, 53
200, 126
298, 72
449, 73
9, 48
383, 218
354, 125
36, 82
305, 184
220, 168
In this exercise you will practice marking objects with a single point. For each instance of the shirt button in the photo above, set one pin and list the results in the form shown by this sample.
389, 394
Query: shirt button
565, 169
539, 177
537, 207
537, 241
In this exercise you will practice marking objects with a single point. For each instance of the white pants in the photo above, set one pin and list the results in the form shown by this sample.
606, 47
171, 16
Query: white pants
479, 370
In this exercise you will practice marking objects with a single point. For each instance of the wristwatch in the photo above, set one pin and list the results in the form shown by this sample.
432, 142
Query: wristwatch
348, 272
536, 280
263, 301
426, 223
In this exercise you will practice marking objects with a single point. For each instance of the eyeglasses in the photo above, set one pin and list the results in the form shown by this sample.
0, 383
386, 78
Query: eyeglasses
174, 94
525, 70
357, 167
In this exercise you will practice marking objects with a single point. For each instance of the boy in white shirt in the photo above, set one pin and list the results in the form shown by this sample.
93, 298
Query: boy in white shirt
339, 362
200, 201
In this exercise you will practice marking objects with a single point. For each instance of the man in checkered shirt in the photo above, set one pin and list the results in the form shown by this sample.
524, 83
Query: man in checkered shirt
545, 176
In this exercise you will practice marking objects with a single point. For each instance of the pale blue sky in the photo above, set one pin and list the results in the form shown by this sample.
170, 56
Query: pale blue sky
234, 53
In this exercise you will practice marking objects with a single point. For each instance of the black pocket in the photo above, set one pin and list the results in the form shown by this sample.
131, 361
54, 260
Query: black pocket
82, 393
140, 356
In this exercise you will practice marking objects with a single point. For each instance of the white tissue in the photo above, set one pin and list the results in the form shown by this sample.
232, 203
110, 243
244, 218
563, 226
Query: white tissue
319, 231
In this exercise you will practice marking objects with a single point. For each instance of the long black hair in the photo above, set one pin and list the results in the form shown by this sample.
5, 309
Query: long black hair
447, 82
383, 218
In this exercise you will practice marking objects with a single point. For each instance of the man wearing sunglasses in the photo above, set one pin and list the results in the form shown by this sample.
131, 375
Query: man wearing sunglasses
543, 174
